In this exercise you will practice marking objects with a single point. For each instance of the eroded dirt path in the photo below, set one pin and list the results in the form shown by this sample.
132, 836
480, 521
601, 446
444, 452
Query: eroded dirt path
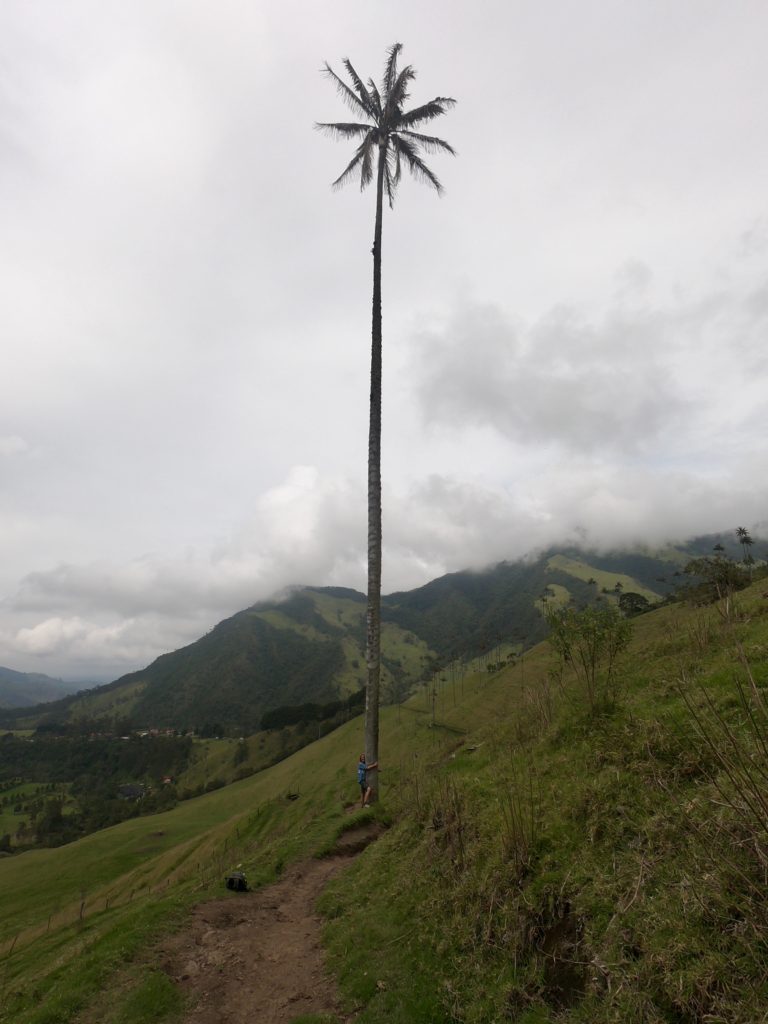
256, 957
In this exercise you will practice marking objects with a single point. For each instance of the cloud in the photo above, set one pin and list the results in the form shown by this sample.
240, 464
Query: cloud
303, 529
583, 387
96, 650
13, 445
636, 381
445, 524
61, 636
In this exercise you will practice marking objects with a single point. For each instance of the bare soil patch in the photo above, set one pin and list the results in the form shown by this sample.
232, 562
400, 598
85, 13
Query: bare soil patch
257, 956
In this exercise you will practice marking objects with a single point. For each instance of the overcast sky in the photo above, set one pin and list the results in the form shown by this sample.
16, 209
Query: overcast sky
575, 333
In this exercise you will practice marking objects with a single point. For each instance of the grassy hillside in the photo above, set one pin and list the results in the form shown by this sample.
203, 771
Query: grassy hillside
578, 866
601, 578
548, 860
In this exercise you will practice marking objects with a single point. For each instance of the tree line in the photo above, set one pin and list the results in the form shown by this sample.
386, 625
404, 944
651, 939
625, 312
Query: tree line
281, 717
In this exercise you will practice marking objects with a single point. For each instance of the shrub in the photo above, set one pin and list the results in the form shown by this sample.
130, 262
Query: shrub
589, 642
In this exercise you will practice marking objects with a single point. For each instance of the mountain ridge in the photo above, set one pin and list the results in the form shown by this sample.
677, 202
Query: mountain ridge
309, 645
16, 688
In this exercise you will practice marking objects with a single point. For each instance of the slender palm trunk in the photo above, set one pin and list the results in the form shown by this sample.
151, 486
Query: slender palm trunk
373, 615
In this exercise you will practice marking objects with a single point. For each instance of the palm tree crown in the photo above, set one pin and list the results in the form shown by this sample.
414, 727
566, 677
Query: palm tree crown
389, 128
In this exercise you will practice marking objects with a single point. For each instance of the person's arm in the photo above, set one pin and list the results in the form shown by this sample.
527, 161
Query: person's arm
368, 767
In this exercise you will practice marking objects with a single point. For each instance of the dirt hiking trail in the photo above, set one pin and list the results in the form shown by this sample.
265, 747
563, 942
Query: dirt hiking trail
256, 957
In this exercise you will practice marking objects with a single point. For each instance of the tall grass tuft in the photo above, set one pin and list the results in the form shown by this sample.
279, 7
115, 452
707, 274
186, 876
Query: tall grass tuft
519, 823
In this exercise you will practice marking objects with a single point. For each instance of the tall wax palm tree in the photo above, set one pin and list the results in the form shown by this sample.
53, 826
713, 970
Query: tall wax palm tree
388, 137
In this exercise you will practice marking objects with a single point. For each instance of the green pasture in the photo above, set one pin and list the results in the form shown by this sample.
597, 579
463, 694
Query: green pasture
280, 620
22, 794
603, 578
116, 702
558, 597
209, 759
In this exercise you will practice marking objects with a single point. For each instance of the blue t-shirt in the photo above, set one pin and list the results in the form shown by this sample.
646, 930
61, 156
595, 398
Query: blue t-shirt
362, 768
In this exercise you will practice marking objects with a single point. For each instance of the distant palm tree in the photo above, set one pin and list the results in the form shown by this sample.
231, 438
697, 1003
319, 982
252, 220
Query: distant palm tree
742, 534
389, 137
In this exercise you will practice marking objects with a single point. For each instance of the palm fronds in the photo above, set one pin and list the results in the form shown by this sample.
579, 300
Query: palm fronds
361, 159
392, 174
430, 142
352, 101
399, 92
360, 89
375, 97
416, 165
390, 68
342, 130
389, 129
427, 112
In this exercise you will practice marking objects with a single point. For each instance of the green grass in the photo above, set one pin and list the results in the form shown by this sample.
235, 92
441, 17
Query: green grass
64, 972
155, 998
316, 1018
558, 597
280, 620
603, 578
119, 702
556, 871
9, 819
210, 759
24, 793
398, 645
543, 863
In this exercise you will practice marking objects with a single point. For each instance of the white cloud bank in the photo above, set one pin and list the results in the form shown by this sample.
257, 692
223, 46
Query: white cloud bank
641, 382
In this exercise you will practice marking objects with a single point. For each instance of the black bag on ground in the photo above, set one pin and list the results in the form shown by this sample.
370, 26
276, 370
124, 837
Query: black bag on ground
237, 882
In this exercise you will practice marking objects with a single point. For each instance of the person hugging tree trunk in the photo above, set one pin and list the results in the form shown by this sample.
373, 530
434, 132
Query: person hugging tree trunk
362, 780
